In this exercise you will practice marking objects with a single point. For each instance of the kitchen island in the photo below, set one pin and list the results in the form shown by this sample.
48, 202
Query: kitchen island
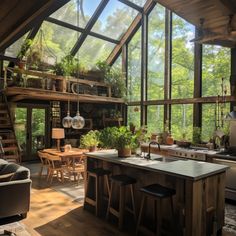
199, 199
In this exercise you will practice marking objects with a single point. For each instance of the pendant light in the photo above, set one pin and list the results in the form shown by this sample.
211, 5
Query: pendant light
67, 121
78, 121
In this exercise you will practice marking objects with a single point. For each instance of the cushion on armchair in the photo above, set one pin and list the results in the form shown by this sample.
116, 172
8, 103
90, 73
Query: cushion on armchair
19, 172
2, 164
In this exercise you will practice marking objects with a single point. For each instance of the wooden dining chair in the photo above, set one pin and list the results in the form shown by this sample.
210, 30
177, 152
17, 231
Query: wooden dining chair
44, 163
76, 168
56, 168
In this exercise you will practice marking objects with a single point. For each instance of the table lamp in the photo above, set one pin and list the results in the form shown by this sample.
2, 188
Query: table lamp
58, 133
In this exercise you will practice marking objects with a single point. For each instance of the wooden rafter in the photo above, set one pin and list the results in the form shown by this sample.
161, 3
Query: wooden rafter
89, 26
40, 10
130, 32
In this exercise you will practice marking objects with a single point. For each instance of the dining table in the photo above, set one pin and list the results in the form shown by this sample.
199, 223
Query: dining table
71, 157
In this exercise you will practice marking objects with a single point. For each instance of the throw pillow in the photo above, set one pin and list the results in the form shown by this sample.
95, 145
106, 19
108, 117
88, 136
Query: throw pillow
6, 177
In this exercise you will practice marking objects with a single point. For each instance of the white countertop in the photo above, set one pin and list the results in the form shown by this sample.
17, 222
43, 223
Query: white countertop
186, 169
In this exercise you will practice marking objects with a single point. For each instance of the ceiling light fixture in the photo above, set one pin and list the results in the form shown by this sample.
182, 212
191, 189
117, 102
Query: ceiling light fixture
78, 121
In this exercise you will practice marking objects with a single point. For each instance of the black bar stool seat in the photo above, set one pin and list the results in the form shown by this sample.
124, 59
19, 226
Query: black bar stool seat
157, 192
97, 174
122, 181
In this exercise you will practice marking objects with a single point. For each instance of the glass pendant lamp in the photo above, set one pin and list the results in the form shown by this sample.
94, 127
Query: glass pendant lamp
78, 121
67, 121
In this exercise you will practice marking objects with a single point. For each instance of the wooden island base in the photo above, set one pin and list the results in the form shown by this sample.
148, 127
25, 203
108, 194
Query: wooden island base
199, 200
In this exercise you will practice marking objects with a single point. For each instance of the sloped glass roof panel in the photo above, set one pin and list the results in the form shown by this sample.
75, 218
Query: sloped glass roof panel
115, 19
56, 41
14, 49
94, 50
68, 13
138, 2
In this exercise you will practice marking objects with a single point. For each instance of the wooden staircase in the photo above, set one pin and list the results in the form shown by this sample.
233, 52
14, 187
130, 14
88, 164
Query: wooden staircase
7, 132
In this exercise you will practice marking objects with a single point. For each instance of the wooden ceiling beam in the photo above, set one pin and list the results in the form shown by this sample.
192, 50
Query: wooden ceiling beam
22, 27
130, 32
227, 7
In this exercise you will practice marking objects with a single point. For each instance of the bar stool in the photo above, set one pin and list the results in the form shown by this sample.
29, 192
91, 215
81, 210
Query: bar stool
122, 181
157, 192
97, 174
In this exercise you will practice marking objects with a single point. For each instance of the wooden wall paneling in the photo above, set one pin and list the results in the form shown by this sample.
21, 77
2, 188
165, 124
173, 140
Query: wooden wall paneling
193, 201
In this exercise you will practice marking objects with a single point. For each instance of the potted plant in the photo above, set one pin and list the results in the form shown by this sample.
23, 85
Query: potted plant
106, 137
119, 138
22, 54
90, 140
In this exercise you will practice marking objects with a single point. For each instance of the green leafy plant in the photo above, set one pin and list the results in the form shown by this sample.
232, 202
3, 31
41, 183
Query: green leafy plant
106, 137
113, 77
91, 139
24, 48
118, 138
69, 66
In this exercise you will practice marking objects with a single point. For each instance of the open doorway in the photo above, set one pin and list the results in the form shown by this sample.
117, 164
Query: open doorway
31, 127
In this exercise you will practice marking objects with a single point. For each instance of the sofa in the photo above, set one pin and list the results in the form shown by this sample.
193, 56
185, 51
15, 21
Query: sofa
15, 187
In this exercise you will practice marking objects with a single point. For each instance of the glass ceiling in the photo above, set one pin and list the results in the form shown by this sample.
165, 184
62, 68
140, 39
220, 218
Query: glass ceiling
67, 13
57, 41
114, 20
13, 50
94, 50
109, 27
138, 2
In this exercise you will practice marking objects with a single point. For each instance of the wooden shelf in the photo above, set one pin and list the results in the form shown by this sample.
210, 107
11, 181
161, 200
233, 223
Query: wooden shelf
63, 88
117, 121
18, 93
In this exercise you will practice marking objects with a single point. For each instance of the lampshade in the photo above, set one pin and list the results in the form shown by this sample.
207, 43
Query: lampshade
58, 133
78, 121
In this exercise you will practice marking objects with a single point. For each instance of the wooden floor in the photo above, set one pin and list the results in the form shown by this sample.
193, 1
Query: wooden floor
54, 213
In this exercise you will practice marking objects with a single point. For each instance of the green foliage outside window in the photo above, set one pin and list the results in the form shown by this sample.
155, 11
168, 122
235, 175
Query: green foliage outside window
156, 53
134, 68
182, 59
133, 115
182, 121
155, 118
215, 66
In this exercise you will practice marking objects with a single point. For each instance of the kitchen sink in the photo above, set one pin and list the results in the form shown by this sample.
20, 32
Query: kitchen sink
165, 159
227, 153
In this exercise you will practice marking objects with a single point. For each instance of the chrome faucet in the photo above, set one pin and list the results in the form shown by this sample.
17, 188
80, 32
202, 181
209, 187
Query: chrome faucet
148, 156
